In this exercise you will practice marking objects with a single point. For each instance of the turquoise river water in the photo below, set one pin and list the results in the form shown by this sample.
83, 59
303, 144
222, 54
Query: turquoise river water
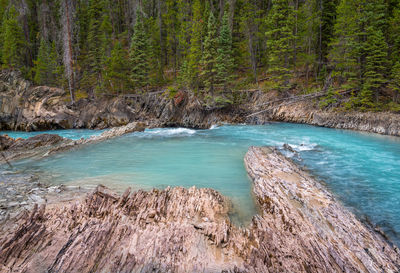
361, 169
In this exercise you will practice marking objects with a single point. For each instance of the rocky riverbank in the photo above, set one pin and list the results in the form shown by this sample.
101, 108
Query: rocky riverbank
19, 191
47, 144
305, 112
29, 108
300, 228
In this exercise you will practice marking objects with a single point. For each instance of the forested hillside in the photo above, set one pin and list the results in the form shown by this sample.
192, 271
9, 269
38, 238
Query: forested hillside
95, 47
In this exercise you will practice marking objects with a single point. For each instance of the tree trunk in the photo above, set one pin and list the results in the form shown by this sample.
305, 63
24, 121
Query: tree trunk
67, 44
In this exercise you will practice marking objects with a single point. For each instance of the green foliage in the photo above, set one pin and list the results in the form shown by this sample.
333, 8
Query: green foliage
395, 81
279, 42
270, 45
191, 66
224, 62
330, 99
172, 91
13, 41
116, 75
209, 70
344, 47
47, 70
139, 53
375, 67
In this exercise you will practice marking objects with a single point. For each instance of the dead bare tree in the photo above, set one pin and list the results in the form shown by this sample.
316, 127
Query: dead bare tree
67, 25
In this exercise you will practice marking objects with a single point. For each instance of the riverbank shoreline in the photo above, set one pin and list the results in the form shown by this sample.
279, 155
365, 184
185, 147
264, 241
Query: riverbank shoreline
35, 108
300, 228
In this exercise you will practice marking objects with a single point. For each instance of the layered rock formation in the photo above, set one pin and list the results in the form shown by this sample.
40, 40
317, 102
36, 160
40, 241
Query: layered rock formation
46, 144
173, 230
305, 112
28, 108
300, 228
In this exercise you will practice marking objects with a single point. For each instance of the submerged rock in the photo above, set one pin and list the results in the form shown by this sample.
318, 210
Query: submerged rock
300, 228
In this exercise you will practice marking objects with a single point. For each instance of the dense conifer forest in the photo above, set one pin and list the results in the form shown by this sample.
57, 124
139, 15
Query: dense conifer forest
97, 47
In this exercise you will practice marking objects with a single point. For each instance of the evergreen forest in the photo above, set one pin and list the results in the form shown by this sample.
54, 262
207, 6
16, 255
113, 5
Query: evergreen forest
109, 47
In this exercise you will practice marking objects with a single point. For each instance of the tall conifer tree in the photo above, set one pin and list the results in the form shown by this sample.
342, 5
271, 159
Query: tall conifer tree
139, 53
117, 72
13, 41
209, 58
225, 61
280, 38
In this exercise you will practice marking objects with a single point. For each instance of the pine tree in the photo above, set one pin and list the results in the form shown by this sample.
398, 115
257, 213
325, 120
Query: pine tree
42, 63
395, 81
280, 38
327, 11
3, 6
95, 56
13, 41
47, 71
375, 67
105, 38
139, 53
194, 58
345, 48
209, 60
117, 73
394, 37
224, 65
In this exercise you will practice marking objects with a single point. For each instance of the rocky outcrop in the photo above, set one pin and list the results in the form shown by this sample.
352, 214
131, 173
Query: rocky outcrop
300, 228
47, 144
173, 230
303, 112
28, 108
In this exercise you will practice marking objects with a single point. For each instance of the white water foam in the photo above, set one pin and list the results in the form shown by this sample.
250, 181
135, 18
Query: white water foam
170, 132
304, 147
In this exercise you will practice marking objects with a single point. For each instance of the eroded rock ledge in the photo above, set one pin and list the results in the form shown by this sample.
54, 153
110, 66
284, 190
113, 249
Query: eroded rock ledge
301, 228
173, 230
46, 144
33, 108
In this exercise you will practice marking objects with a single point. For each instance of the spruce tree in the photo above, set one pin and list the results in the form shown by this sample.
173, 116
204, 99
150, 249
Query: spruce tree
345, 48
105, 37
209, 58
117, 73
280, 38
46, 69
224, 65
42, 62
327, 11
395, 81
13, 41
94, 60
375, 67
3, 7
139, 53
194, 58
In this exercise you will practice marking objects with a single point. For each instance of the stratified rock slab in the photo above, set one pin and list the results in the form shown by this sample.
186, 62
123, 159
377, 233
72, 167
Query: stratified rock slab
303, 229
173, 230
47, 144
